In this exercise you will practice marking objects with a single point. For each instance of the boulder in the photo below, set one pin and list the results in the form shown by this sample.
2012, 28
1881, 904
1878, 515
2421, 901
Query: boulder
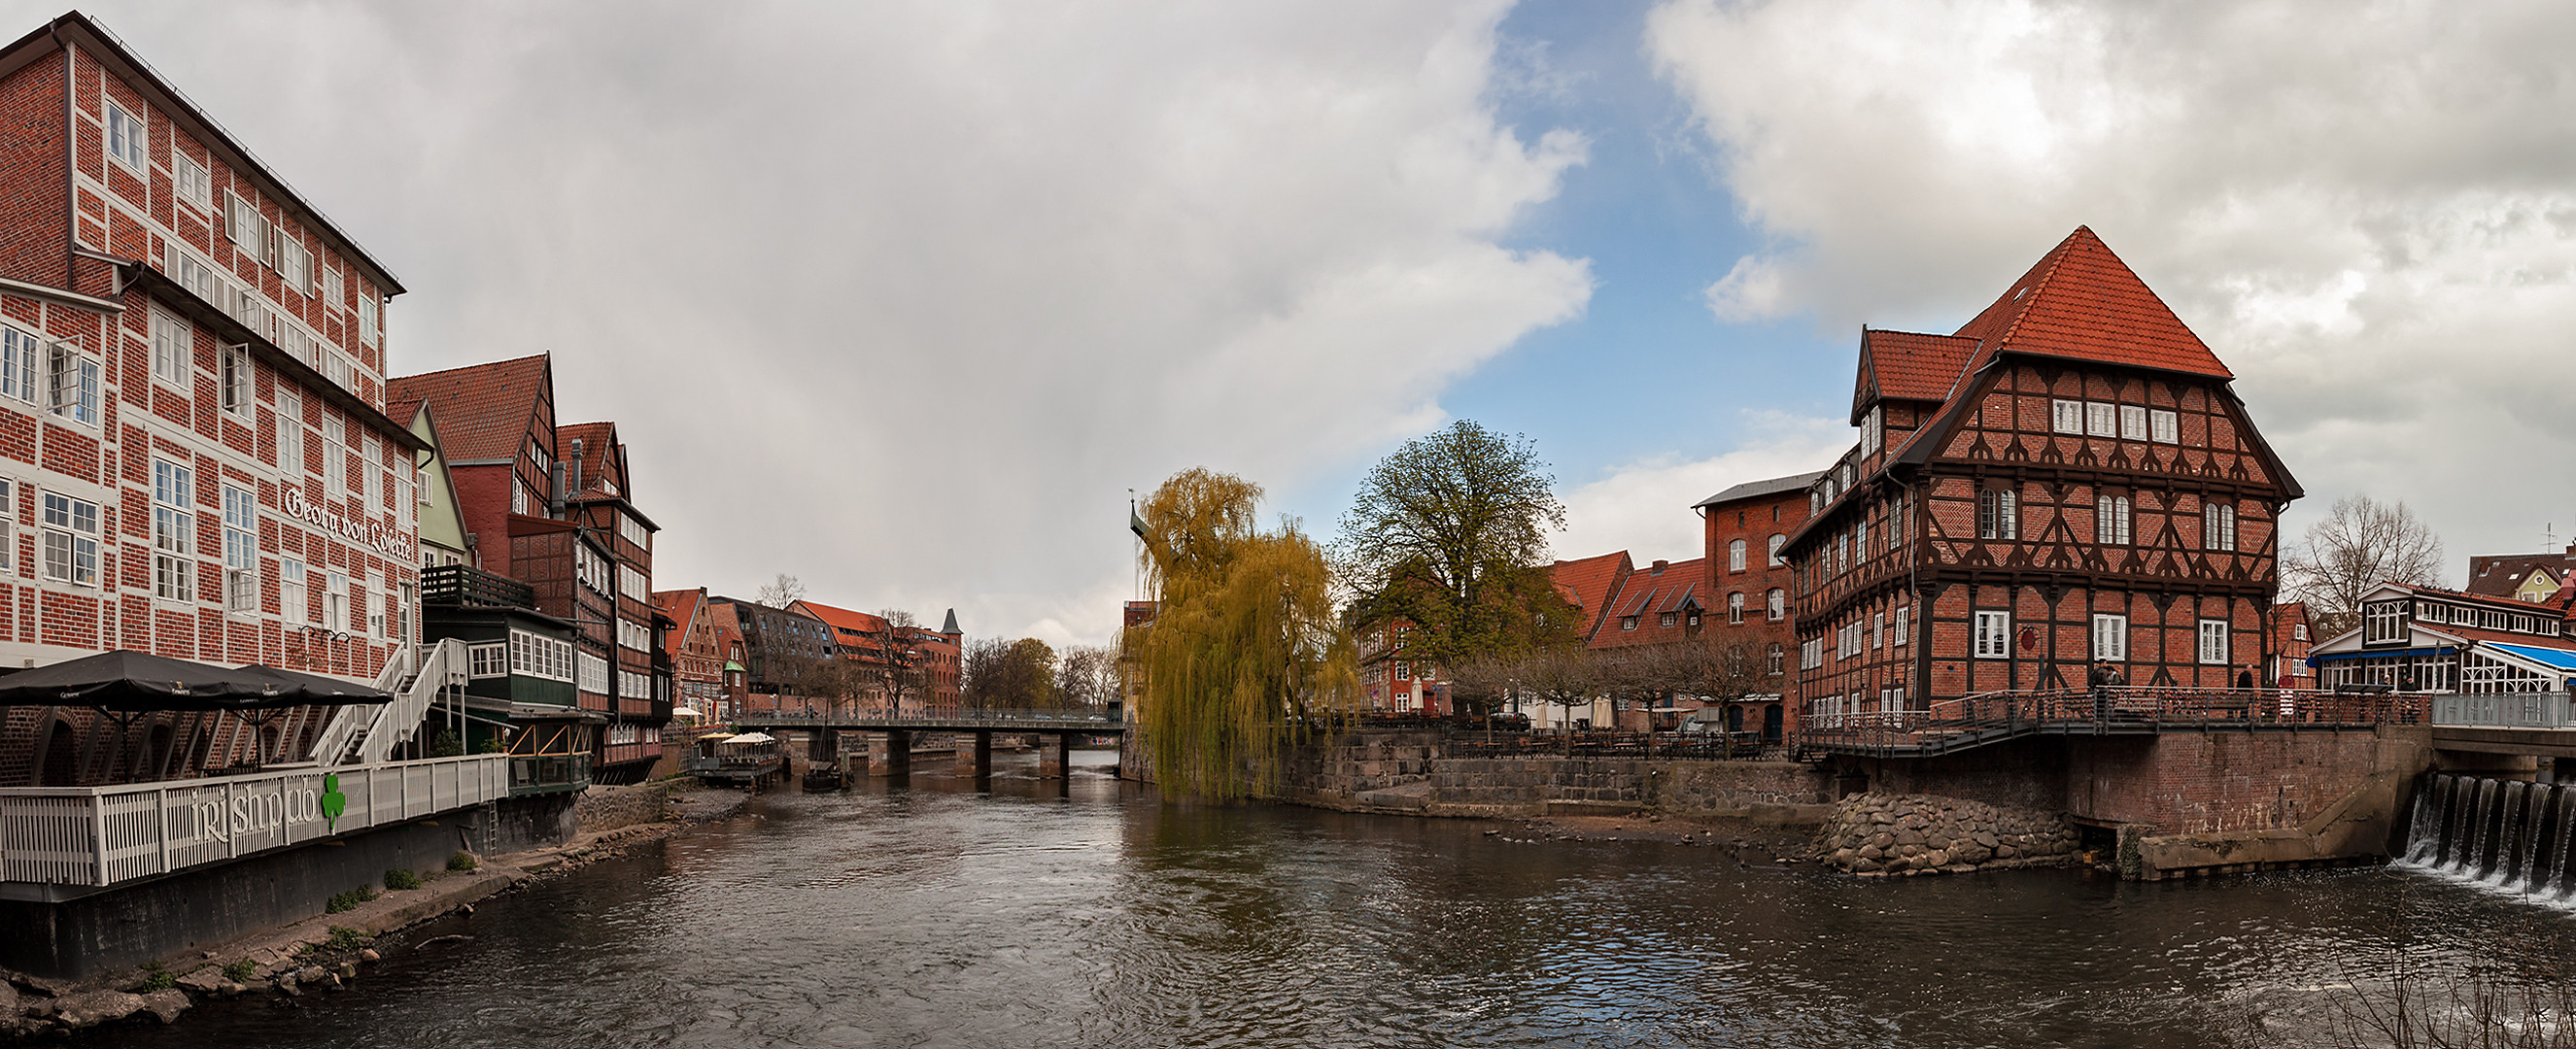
166, 1004
92, 1008
204, 980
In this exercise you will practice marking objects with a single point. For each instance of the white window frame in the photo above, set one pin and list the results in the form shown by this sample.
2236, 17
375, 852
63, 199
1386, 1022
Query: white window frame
2111, 637
1993, 634
245, 226
635, 532
1904, 620
2217, 526
70, 539
335, 601
233, 379
129, 140
1869, 431
2101, 419
335, 454
2164, 426
174, 532
1998, 514
633, 583
2213, 642
193, 183
72, 384
2065, 416
8, 526
241, 549
594, 672
19, 352
1778, 541
290, 433
2133, 422
1734, 608
294, 590
489, 659
2383, 622
1878, 630
1776, 604
2111, 520
173, 341
368, 324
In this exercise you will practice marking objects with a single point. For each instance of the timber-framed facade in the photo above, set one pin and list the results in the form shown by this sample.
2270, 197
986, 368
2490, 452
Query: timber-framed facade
2068, 478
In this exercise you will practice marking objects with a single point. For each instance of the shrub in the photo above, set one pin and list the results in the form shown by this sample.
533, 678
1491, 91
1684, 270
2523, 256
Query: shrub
344, 938
463, 861
241, 971
156, 978
400, 878
351, 899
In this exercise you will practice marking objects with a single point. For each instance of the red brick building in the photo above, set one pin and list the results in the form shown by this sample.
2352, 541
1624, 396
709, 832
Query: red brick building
195, 460
552, 506
1747, 529
696, 657
2068, 477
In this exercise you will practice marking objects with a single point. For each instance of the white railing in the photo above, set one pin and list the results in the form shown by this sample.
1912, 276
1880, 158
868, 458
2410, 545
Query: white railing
376, 729
115, 834
2504, 710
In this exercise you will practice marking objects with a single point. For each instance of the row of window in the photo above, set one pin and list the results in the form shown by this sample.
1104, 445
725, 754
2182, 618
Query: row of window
1994, 638
1999, 517
531, 654
1735, 553
2128, 422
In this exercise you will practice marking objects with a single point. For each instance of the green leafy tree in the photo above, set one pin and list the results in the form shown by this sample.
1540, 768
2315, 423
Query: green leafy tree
1244, 648
1449, 534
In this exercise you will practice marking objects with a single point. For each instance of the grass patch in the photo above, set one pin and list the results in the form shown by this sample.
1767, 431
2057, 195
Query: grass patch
463, 861
400, 878
156, 978
350, 900
344, 938
241, 971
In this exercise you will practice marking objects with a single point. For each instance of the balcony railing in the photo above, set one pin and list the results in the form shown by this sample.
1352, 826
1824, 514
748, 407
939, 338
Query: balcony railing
2504, 710
115, 834
1972, 721
454, 586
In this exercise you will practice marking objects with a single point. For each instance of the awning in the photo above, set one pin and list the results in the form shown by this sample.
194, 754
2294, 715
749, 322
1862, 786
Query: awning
716, 737
136, 682
2371, 653
753, 737
2557, 660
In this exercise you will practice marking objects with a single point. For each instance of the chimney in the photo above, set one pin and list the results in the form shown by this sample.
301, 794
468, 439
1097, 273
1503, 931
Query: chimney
1659, 567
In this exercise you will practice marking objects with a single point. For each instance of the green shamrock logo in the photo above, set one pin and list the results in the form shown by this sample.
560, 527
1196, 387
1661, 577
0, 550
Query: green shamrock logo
333, 802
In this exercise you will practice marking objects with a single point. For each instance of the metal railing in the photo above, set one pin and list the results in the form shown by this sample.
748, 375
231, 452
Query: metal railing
114, 834
364, 734
2549, 710
1952, 725
453, 586
1084, 720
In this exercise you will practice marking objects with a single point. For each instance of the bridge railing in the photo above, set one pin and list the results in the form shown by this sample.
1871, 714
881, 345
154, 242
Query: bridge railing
2550, 710
2120, 708
113, 834
963, 717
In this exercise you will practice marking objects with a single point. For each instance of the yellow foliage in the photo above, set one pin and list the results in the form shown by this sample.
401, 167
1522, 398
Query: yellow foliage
1244, 648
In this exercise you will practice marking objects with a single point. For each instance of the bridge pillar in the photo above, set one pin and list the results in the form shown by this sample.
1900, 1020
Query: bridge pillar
975, 757
1053, 753
890, 753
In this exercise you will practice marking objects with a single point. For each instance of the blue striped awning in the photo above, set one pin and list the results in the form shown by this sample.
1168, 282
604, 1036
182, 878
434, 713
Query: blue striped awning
2558, 659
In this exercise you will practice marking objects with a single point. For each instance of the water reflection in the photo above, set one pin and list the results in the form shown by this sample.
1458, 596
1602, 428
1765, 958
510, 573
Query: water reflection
940, 911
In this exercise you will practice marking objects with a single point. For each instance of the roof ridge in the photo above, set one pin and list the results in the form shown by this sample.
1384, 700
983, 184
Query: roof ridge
539, 355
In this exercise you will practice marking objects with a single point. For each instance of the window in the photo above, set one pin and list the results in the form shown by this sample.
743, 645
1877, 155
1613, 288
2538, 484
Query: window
370, 454
1777, 542
332, 289
518, 496
174, 528
594, 674
634, 636
241, 550
2111, 520
233, 379
366, 319
2213, 642
71, 539
2133, 422
18, 353
1903, 615
2066, 416
1735, 556
1772, 658
335, 602
1878, 630
537, 655
1734, 607
1403, 670
2111, 637
1811, 653
290, 430
633, 685
1860, 538
634, 531
2101, 420
1998, 514
170, 339
1777, 604
490, 659
193, 184
2299, 631
8, 526
2164, 426
335, 454
1994, 635
1627, 622
2217, 527
294, 598
73, 392
2383, 622
1869, 432
294, 263
1846, 641
128, 140
245, 226
634, 584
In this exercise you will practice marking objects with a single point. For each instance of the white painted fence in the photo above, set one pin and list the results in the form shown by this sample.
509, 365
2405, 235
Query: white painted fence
109, 835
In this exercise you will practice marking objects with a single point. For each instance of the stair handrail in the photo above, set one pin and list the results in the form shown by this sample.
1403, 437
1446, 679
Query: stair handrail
352, 722
430, 667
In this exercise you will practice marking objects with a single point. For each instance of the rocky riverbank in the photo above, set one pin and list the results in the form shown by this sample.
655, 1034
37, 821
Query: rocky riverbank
325, 953
1911, 834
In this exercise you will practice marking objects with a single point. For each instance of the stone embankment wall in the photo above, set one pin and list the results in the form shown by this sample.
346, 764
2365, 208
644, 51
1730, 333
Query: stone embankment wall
608, 808
1931, 834
1399, 771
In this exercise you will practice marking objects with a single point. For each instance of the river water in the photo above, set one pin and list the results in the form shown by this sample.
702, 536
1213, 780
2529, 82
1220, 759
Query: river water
1093, 914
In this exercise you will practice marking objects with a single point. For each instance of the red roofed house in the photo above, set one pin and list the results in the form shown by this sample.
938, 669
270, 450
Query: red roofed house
696, 657
2068, 477
2533, 578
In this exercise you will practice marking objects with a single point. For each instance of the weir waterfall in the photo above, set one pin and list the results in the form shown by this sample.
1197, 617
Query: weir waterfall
2506, 834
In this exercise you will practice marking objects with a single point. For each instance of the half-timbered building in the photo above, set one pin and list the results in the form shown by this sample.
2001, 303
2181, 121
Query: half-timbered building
2069, 477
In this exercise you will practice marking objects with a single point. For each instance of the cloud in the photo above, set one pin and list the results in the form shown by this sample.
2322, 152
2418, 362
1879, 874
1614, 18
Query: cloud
2368, 210
900, 298
1643, 507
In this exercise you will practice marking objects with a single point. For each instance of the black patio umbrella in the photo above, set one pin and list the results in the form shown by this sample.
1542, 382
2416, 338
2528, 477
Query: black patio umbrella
124, 682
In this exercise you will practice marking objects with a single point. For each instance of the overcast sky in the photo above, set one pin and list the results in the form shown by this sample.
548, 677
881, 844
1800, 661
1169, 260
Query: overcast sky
903, 298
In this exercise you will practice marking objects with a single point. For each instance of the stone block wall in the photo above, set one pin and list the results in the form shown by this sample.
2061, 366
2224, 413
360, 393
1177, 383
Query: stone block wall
608, 808
1929, 834
1405, 771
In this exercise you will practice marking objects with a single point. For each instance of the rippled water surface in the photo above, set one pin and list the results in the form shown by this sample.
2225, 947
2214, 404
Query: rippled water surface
938, 915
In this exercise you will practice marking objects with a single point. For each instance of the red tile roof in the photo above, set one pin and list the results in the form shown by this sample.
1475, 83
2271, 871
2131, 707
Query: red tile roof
596, 440
2082, 303
846, 624
1588, 583
2499, 575
1649, 596
682, 606
1909, 366
484, 411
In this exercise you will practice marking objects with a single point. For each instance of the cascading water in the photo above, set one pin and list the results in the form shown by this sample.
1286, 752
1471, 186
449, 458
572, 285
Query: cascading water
2502, 833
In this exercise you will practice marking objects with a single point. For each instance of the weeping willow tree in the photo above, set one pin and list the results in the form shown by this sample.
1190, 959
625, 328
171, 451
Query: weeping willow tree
1244, 647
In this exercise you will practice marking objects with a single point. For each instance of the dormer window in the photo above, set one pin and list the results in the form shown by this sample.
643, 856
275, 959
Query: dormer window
1869, 431
2383, 622
1627, 622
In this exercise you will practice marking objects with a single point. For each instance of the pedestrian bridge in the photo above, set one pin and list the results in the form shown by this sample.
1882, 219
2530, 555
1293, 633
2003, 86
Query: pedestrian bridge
888, 747
1969, 722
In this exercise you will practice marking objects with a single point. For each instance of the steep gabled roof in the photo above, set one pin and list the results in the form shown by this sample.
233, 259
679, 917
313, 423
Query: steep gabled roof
683, 606
950, 625
2499, 575
597, 439
1907, 366
484, 410
1647, 595
2080, 302
1590, 583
